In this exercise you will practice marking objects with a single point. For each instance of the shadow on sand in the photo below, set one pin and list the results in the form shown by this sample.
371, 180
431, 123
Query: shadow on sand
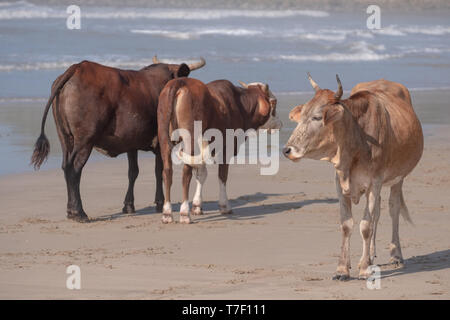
240, 210
438, 260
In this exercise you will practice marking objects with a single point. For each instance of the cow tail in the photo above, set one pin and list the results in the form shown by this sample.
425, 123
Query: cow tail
42, 145
166, 105
404, 210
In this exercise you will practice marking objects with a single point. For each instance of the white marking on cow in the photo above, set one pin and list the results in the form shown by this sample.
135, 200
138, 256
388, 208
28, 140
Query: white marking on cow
185, 216
184, 209
167, 208
200, 176
223, 199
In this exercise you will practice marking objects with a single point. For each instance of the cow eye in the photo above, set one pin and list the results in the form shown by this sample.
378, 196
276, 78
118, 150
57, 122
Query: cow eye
317, 118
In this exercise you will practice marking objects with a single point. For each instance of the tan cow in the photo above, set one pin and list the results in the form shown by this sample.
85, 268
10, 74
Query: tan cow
373, 139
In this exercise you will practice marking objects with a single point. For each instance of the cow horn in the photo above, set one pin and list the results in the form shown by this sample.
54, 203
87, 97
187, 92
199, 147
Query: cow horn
197, 65
313, 83
243, 84
155, 59
339, 91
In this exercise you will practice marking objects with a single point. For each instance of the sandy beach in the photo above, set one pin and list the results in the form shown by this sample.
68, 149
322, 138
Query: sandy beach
281, 242
283, 239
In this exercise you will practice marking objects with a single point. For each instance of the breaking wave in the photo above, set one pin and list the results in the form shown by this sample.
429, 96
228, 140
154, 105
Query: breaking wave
195, 34
25, 10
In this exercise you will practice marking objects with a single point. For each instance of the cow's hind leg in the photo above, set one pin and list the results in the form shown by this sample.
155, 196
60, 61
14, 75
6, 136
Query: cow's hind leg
396, 204
159, 194
224, 204
133, 172
184, 209
167, 216
72, 173
346, 219
366, 228
200, 176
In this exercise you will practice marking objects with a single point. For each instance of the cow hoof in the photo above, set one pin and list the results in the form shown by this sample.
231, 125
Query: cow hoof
128, 208
196, 210
159, 207
341, 277
225, 210
363, 276
167, 218
78, 217
185, 219
397, 262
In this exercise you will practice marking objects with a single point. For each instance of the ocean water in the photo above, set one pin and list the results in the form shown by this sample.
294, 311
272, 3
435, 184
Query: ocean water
273, 46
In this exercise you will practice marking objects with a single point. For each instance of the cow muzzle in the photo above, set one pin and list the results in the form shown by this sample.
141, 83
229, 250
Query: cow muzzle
292, 153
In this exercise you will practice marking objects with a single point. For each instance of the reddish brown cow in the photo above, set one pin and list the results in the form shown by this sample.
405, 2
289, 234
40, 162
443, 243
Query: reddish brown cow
373, 139
112, 110
218, 105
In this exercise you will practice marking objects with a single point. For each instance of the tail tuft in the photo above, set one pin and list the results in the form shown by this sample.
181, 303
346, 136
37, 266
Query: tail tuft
40, 153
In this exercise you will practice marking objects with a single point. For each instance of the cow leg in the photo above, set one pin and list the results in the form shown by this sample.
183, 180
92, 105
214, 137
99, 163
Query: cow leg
366, 228
346, 220
133, 172
224, 205
72, 174
396, 203
185, 216
167, 178
159, 195
376, 218
200, 176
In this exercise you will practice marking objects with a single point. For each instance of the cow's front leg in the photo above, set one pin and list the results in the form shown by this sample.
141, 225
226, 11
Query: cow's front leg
184, 209
200, 176
224, 204
133, 172
366, 228
346, 219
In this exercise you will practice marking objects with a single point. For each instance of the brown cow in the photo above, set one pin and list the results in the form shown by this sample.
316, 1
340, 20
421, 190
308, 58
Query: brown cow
218, 105
373, 138
109, 109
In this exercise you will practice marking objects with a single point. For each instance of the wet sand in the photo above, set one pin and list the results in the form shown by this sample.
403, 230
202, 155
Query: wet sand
281, 242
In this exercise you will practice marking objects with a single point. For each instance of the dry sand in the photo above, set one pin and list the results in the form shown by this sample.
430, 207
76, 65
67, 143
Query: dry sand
281, 242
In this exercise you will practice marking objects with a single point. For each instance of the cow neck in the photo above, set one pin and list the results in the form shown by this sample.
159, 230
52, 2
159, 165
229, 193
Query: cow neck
352, 148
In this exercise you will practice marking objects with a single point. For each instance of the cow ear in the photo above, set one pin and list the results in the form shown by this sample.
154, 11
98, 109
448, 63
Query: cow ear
294, 115
332, 113
183, 70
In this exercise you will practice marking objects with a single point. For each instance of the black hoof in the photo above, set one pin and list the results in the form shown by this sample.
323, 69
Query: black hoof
397, 262
341, 277
128, 208
159, 207
78, 217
